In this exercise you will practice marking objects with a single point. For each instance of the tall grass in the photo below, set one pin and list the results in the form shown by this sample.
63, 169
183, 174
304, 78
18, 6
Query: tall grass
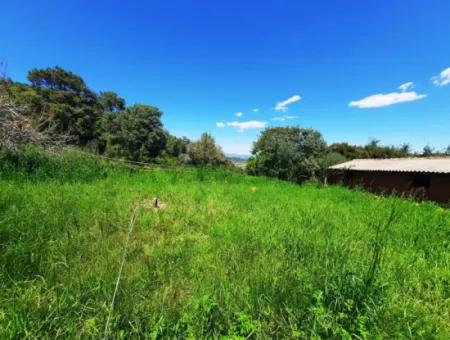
230, 255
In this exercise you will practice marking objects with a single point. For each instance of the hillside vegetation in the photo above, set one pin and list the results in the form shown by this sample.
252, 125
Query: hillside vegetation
229, 255
57, 107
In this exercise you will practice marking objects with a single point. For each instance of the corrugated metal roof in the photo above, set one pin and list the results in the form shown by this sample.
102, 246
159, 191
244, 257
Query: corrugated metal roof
432, 165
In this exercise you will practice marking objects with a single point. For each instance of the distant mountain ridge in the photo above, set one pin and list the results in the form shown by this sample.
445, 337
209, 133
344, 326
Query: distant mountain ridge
237, 156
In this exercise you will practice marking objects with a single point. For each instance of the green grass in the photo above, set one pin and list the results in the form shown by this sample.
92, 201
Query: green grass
230, 256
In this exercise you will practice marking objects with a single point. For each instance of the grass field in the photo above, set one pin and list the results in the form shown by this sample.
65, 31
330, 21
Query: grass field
229, 255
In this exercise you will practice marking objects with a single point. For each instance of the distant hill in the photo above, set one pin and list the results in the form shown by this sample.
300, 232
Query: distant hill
238, 159
237, 156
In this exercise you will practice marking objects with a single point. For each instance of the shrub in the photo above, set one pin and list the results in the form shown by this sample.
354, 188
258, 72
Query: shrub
206, 152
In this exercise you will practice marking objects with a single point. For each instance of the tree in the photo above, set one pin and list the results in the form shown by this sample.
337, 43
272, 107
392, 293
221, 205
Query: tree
111, 102
136, 133
58, 79
64, 104
206, 152
374, 150
176, 146
333, 158
348, 151
405, 150
289, 153
427, 151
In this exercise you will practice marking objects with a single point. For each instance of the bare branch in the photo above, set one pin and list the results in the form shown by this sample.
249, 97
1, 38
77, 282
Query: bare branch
17, 130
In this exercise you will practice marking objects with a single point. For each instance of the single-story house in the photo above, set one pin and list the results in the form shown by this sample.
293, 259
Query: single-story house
422, 178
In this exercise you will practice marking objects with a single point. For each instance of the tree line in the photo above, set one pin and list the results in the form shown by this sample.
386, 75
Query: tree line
58, 103
57, 106
298, 154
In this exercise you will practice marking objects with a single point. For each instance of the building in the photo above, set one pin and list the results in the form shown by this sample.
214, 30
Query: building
422, 178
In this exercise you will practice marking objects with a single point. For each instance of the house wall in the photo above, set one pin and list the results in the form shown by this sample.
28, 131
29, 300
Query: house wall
440, 188
400, 183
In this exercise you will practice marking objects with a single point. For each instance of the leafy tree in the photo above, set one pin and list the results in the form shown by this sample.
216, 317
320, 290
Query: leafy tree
348, 151
289, 153
111, 105
58, 79
333, 158
405, 150
372, 150
111, 102
206, 152
64, 104
176, 146
427, 151
136, 133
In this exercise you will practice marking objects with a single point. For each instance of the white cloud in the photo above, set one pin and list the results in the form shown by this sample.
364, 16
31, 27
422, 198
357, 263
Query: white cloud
220, 125
251, 124
283, 118
255, 110
406, 86
282, 106
239, 114
442, 79
382, 100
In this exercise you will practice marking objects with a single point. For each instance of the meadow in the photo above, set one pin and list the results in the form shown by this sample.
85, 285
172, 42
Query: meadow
227, 256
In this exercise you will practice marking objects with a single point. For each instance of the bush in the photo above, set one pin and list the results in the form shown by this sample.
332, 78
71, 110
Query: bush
206, 152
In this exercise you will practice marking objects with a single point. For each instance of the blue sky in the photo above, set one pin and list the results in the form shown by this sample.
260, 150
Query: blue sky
309, 63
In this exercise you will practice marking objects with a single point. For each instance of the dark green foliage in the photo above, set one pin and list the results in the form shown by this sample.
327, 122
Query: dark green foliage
61, 103
175, 147
372, 150
348, 151
427, 151
136, 133
58, 79
289, 153
64, 104
111, 102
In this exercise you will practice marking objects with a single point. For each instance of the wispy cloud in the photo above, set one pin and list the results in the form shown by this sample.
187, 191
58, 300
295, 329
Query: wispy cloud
239, 114
406, 86
255, 110
283, 118
387, 99
283, 105
251, 124
443, 78
220, 125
